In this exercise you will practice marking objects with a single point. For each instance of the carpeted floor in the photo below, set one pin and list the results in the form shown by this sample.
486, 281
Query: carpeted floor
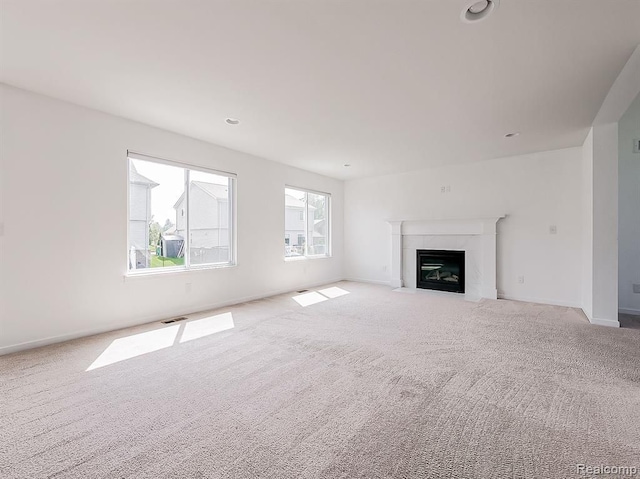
629, 321
370, 384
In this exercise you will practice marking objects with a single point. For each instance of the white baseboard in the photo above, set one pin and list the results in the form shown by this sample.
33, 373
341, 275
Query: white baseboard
553, 302
633, 312
37, 343
370, 281
613, 323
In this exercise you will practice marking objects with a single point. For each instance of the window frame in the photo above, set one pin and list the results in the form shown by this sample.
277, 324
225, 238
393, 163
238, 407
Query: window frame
328, 245
233, 178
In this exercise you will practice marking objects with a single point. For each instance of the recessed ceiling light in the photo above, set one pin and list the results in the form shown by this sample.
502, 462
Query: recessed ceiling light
478, 10
232, 121
511, 135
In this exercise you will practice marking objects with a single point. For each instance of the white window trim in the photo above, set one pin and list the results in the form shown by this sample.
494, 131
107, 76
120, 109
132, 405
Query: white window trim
329, 252
233, 242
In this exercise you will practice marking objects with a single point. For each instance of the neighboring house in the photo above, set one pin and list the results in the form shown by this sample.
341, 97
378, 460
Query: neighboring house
320, 235
294, 228
294, 225
139, 218
208, 223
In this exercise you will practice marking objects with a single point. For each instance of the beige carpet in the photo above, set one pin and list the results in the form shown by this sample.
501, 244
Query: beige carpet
370, 384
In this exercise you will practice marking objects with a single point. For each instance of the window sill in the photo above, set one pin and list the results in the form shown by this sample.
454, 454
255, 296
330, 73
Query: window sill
157, 272
302, 258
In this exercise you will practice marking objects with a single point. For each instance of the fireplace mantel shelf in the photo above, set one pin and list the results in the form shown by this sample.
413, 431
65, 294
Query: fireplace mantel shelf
446, 226
484, 229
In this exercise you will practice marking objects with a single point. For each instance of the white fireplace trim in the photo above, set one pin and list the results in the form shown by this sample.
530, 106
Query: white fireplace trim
484, 229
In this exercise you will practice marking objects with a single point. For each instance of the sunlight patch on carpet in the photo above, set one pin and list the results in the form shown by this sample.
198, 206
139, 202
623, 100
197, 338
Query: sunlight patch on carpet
200, 328
333, 292
315, 297
307, 299
136, 345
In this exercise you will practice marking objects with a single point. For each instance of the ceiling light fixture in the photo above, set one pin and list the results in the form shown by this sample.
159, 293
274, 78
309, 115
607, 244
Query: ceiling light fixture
347, 165
232, 121
478, 10
511, 135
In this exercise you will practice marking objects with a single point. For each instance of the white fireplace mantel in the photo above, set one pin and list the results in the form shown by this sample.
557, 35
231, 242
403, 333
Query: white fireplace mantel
481, 230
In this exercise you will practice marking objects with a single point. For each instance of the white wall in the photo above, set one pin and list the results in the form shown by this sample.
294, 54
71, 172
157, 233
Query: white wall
587, 225
66, 225
600, 225
629, 210
601, 232
3, 312
605, 224
535, 191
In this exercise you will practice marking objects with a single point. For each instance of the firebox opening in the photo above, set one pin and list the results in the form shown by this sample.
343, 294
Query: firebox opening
442, 270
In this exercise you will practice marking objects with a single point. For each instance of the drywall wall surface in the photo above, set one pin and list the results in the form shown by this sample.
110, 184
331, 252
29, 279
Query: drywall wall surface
625, 88
600, 225
3, 313
537, 192
603, 233
605, 224
629, 210
587, 225
64, 189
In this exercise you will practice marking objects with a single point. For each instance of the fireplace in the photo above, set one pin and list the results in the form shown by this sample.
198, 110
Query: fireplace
441, 270
475, 236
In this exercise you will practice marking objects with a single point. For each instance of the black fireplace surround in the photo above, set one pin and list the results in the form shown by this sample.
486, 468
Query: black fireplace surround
441, 270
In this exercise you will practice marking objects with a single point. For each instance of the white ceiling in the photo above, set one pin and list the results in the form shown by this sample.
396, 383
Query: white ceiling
383, 85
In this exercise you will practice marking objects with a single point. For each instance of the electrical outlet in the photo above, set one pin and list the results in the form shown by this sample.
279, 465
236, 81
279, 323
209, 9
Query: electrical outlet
553, 229
448, 188
443, 189
187, 287
636, 145
636, 288
521, 279
384, 268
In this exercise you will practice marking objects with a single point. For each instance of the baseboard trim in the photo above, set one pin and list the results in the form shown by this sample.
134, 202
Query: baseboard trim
370, 281
552, 302
612, 323
633, 312
37, 343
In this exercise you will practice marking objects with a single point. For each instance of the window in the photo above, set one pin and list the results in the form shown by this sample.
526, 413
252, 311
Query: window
179, 217
307, 223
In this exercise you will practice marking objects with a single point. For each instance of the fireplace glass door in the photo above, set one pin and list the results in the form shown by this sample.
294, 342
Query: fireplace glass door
441, 270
